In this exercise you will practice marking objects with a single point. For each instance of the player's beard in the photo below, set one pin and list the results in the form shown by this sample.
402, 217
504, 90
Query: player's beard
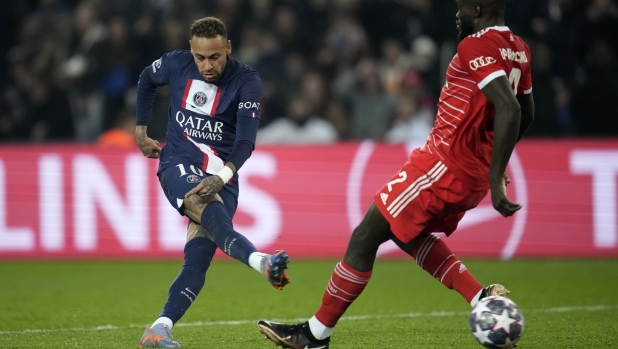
465, 29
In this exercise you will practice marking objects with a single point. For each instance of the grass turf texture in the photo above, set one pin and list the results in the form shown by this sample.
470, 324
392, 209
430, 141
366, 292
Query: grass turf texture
566, 304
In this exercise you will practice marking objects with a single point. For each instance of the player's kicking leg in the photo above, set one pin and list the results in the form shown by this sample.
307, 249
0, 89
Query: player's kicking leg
436, 258
425, 196
348, 281
272, 266
214, 216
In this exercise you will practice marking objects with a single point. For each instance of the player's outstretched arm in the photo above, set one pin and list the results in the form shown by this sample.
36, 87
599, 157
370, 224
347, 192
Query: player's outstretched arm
149, 147
506, 132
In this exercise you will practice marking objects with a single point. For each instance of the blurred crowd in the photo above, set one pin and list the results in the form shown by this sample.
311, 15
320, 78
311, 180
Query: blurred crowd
332, 69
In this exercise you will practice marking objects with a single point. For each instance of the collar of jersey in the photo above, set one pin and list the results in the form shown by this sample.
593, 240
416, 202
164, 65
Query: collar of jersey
501, 28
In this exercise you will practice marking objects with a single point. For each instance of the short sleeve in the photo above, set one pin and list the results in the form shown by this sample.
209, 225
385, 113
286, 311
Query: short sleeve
525, 85
250, 95
480, 58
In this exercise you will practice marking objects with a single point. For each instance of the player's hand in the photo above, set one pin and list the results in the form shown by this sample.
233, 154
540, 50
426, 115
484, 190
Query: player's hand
149, 147
208, 186
501, 202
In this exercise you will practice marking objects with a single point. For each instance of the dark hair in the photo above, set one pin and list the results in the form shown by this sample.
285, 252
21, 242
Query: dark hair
209, 27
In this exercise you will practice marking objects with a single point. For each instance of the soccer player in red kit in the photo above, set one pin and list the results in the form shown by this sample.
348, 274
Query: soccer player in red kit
485, 107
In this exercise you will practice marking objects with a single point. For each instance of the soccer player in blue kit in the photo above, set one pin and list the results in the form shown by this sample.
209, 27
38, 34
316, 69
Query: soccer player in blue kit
213, 119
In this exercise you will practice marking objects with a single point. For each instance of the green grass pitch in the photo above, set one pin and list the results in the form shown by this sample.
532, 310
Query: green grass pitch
566, 304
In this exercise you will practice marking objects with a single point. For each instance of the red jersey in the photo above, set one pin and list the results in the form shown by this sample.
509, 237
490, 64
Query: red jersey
462, 136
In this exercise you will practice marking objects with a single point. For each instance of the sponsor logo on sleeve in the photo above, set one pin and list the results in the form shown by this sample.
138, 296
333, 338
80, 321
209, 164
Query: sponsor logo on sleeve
156, 65
481, 62
249, 105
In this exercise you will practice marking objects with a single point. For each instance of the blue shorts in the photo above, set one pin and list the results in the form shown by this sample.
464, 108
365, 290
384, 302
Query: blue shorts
179, 179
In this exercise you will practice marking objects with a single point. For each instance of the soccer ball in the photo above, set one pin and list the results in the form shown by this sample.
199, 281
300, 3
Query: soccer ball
496, 322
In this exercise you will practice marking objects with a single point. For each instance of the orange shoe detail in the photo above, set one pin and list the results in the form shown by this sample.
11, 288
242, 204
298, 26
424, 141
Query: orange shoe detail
152, 339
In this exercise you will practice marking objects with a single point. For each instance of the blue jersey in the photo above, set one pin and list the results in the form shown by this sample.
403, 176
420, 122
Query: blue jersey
205, 121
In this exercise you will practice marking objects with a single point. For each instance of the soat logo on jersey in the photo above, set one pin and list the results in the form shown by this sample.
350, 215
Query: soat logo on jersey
249, 105
481, 62
200, 98
193, 179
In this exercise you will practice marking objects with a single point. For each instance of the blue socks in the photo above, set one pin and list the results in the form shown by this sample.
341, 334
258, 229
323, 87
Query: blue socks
218, 223
191, 279
198, 254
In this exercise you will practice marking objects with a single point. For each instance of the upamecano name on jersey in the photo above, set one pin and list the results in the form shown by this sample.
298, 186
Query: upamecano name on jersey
517, 56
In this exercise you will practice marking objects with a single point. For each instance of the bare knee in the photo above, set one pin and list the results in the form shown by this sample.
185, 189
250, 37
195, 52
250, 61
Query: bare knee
194, 205
362, 239
411, 245
366, 238
195, 230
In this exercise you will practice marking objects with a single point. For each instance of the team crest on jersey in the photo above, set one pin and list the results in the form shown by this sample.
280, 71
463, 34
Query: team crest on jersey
200, 98
193, 179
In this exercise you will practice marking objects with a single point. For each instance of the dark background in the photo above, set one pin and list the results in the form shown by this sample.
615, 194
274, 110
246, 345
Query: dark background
69, 67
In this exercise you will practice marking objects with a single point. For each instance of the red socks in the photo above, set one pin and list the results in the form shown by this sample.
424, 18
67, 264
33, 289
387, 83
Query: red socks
430, 253
435, 257
344, 287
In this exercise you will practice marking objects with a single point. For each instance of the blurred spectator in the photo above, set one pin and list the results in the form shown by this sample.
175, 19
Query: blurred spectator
563, 31
371, 108
175, 36
394, 27
118, 60
412, 124
262, 11
8, 131
313, 90
424, 56
595, 100
290, 30
299, 127
270, 61
346, 40
393, 65
248, 49
91, 52
122, 134
600, 24
83, 72
146, 41
546, 120
45, 115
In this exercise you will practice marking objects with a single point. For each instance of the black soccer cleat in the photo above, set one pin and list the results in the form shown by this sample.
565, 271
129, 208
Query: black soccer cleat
297, 336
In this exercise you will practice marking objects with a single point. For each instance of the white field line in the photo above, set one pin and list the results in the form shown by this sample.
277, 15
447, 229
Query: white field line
345, 318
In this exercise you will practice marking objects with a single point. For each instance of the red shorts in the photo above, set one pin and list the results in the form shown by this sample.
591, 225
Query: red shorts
425, 196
